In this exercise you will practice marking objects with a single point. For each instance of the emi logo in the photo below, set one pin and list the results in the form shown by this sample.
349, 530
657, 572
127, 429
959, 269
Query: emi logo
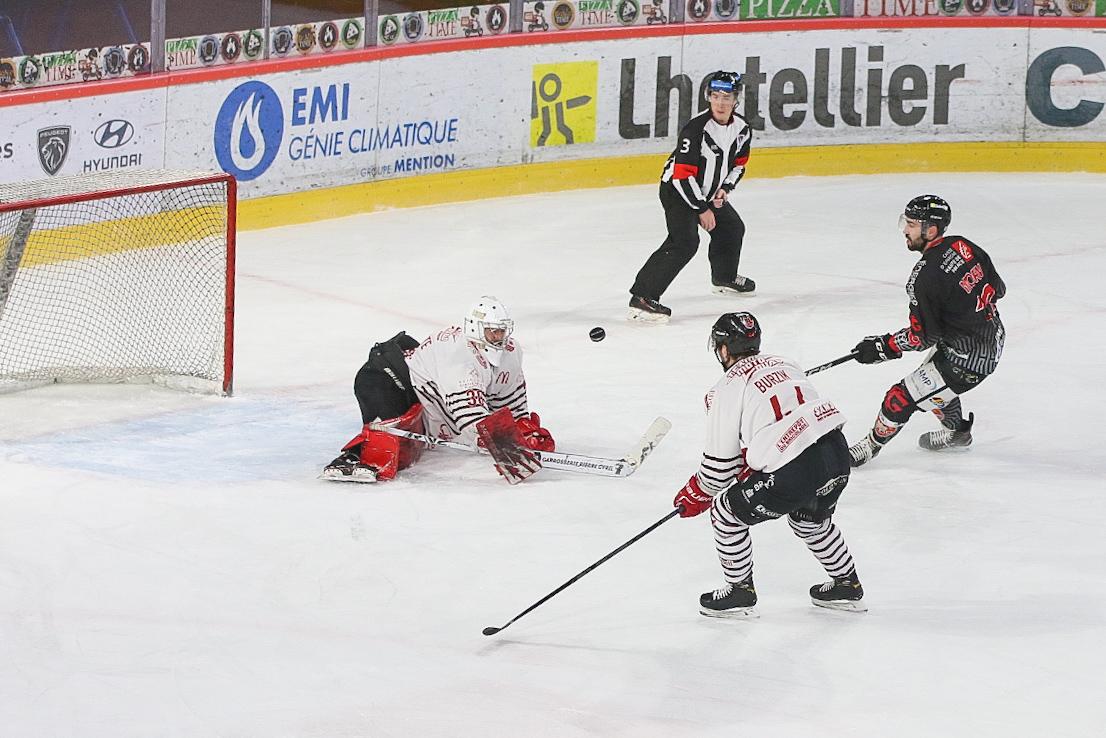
113, 134
53, 148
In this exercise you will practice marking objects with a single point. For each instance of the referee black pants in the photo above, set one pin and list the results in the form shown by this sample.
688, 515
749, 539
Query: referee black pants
683, 241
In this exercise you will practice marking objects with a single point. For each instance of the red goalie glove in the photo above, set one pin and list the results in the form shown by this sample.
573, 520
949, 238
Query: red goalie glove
533, 435
692, 499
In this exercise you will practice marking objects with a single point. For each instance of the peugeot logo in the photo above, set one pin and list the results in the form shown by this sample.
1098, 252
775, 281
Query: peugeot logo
113, 134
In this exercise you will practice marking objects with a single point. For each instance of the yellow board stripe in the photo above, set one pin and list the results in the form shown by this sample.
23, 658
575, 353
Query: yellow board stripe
526, 179
56, 245
83, 241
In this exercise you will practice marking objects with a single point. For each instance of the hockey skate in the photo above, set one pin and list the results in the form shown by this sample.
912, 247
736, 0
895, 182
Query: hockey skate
863, 451
740, 285
945, 438
348, 468
840, 593
734, 601
648, 311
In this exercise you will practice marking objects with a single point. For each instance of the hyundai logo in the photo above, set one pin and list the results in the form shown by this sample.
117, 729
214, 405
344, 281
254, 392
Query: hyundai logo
113, 134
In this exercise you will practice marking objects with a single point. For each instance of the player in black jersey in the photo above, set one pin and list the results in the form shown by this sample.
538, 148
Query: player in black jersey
953, 290
709, 160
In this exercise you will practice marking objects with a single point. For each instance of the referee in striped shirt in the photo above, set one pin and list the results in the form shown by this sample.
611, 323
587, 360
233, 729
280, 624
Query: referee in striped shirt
709, 160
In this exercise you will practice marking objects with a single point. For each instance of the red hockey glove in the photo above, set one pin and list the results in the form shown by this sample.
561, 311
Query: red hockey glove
874, 349
533, 435
692, 499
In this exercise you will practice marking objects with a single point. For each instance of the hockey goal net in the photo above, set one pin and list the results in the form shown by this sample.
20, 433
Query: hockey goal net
116, 277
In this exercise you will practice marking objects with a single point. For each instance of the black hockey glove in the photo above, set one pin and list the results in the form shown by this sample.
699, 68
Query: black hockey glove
874, 349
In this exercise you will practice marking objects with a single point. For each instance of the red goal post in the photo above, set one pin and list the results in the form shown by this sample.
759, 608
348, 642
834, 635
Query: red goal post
118, 277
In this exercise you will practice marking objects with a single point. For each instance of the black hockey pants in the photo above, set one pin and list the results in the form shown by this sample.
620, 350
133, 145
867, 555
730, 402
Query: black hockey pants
683, 241
383, 383
806, 488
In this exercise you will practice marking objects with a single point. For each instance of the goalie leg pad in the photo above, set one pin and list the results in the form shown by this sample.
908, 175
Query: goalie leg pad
390, 453
386, 453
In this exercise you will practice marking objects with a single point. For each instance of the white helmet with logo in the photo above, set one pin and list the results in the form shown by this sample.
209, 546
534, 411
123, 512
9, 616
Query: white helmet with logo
484, 320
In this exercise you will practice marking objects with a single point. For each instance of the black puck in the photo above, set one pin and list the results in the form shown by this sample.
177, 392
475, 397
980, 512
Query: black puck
597, 334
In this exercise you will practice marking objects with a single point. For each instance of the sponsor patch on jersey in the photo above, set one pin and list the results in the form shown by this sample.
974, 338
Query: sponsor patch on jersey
791, 434
962, 248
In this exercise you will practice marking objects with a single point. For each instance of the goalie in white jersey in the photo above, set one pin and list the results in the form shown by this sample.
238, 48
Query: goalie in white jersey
774, 448
442, 387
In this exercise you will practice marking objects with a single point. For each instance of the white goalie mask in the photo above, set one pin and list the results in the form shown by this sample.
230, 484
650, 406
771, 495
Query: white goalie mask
489, 326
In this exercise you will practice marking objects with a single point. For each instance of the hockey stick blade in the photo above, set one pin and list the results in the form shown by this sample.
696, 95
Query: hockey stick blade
622, 467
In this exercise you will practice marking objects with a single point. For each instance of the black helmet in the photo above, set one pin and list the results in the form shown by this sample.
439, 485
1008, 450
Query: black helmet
929, 209
738, 332
723, 82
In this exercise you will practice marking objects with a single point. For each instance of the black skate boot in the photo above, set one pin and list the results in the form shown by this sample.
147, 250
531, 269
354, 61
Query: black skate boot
863, 451
731, 601
739, 285
840, 593
348, 468
946, 438
649, 311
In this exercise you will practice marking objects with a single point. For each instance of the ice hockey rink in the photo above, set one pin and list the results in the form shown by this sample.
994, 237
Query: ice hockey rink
170, 566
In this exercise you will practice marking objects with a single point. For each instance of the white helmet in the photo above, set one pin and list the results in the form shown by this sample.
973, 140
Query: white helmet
489, 314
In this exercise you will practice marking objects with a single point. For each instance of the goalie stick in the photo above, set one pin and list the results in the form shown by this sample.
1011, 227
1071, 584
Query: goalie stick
580, 463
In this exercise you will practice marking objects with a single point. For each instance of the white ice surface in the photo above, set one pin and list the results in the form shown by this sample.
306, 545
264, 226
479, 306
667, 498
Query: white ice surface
170, 566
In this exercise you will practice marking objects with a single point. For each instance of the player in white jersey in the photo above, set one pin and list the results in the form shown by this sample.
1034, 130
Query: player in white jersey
774, 448
442, 387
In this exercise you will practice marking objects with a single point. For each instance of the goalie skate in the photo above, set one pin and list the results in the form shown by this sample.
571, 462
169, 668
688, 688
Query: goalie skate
347, 468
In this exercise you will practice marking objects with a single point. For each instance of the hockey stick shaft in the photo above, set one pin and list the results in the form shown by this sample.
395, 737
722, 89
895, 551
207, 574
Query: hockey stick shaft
830, 364
492, 631
559, 461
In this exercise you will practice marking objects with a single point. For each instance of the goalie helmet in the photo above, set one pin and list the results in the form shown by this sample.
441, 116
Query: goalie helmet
489, 314
738, 332
929, 209
722, 82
